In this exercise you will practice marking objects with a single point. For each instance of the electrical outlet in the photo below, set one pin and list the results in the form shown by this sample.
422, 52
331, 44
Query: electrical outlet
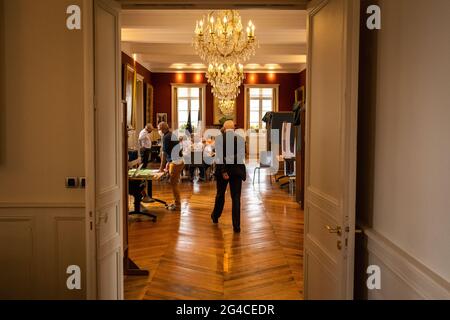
72, 182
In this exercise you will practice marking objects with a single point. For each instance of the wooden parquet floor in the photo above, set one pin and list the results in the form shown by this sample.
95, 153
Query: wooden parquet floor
189, 258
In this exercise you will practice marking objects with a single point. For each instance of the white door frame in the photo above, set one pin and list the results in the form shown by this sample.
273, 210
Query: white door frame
346, 204
89, 138
88, 54
91, 272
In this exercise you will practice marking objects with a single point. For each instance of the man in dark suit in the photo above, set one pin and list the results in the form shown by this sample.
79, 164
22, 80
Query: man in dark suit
230, 168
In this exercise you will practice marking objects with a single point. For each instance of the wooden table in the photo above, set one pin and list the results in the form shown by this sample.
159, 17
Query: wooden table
148, 176
130, 268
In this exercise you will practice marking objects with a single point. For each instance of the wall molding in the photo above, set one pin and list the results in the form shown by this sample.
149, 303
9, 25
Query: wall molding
56, 238
54, 205
425, 282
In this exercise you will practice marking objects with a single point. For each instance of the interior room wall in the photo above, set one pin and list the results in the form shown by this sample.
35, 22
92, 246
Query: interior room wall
302, 78
44, 104
404, 150
162, 85
143, 71
162, 82
2, 85
141, 114
42, 143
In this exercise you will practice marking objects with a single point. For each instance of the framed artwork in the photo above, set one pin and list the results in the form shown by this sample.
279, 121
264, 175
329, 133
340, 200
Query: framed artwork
219, 117
149, 103
161, 117
300, 95
129, 90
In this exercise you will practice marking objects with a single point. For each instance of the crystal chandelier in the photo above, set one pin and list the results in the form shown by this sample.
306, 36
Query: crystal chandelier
220, 38
226, 93
227, 107
225, 80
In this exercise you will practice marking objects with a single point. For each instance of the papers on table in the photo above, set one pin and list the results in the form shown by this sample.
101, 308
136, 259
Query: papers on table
145, 174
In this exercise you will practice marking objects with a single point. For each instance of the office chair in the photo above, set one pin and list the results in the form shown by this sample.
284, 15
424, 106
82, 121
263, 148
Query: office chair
265, 162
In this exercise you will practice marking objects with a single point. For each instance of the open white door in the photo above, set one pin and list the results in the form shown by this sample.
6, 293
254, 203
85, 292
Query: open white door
331, 140
108, 150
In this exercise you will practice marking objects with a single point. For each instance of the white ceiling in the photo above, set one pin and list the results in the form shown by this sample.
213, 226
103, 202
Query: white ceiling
162, 39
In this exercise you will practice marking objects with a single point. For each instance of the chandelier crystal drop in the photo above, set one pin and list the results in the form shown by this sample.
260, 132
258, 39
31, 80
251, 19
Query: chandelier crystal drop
226, 93
225, 80
220, 38
227, 107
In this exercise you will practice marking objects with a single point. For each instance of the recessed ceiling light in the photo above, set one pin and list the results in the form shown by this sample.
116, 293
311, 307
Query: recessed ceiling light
178, 66
272, 66
253, 66
198, 66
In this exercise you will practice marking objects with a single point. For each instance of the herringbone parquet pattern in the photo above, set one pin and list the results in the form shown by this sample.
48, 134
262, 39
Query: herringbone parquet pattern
190, 258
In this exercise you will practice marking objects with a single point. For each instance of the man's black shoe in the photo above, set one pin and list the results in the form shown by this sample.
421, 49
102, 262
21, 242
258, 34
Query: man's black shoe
214, 219
237, 230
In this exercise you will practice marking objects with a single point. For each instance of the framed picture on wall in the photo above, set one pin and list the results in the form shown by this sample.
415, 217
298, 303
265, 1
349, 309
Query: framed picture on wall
300, 95
219, 117
129, 89
149, 104
161, 117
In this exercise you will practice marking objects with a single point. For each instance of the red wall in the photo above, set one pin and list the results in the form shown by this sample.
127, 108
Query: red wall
161, 82
302, 76
162, 92
141, 70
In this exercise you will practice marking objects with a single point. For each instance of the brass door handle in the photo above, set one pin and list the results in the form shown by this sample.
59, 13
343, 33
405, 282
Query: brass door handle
337, 230
102, 217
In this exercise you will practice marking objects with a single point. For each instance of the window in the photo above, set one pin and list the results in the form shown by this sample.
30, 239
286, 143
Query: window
187, 100
260, 100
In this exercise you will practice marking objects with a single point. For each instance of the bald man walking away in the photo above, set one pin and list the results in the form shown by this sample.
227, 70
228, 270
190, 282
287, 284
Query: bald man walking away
230, 150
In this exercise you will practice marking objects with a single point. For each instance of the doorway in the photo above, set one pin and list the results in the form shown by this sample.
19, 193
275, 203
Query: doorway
328, 239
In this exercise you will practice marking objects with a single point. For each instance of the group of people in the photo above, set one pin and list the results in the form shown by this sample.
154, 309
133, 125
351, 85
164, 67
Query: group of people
229, 164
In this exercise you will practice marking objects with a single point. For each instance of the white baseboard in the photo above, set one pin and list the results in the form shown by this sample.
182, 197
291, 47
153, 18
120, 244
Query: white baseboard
403, 277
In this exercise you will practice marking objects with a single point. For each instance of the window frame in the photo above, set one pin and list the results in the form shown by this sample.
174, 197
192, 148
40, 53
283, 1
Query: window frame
175, 87
247, 87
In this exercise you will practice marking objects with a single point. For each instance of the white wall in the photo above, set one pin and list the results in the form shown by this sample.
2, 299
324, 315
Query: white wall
41, 143
44, 103
411, 164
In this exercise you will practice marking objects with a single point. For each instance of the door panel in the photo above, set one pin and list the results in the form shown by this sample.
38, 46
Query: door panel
110, 216
315, 267
331, 126
109, 280
108, 150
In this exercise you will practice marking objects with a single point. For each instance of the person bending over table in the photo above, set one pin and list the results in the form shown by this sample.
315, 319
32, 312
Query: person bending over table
172, 161
145, 143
